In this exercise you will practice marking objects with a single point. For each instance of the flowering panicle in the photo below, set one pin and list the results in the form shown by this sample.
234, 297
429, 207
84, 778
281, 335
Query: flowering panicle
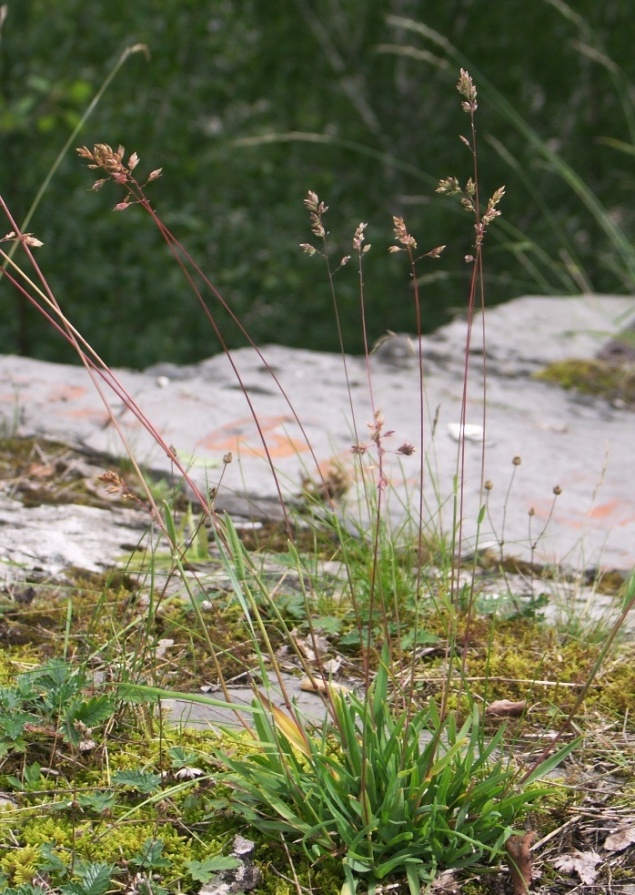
316, 211
26, 238
407, 241
492, 211
377, 434
436, 252
401, 236
115, 484
358, 239
406, 449
467, 89
450, 186
103, 157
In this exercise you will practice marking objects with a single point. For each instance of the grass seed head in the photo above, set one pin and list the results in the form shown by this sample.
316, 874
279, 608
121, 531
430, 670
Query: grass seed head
466, 88
401, 234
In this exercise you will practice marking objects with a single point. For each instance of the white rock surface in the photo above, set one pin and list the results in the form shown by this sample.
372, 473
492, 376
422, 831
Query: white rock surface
584, 446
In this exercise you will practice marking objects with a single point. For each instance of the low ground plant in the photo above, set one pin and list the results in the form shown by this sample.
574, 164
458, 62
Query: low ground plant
411, 771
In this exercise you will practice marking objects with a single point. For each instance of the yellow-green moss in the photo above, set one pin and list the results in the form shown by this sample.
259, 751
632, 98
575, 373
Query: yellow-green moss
523, 659
593, 377
553, 809
108, 841
20, 864
615, 691
101, 614
112, 842
48, 830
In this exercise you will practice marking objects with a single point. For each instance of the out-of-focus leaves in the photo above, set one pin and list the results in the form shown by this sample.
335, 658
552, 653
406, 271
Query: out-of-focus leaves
372, 132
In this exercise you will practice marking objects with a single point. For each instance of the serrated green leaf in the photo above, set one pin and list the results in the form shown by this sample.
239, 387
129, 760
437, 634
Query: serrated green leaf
142, 781
94, 710
150, 855
203, 871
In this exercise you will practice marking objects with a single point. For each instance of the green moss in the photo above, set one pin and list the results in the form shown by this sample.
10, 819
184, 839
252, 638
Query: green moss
20, 864
515, 659
102, 613
593, 377
44, 830
513, 668
116, 843
616, 689
110, 842
120, 833
553, 809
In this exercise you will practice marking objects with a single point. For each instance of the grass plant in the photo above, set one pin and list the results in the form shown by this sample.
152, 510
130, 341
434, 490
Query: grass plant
391, 791
408, 775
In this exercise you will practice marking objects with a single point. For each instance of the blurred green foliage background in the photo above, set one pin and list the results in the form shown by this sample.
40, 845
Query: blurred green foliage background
247, 104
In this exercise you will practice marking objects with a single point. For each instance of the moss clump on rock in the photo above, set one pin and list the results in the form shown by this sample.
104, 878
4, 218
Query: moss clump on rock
614, 382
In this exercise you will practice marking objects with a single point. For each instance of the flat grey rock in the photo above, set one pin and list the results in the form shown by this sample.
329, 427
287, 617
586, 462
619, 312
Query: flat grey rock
42, 542
308, 417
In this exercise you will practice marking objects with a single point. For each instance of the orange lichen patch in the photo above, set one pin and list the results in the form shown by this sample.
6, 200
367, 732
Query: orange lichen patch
612, 513
66, 393
242, 437
606, 510
99, 417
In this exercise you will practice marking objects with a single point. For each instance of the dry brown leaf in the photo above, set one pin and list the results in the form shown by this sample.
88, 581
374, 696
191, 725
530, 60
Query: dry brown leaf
620, 840
332, 666
41, 470
583, 863
445, 883
311, 648
519, 860
506, 708
319, 685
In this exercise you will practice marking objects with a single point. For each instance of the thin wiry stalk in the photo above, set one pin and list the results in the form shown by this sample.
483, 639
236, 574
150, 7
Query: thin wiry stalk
317, 210
111, 162
408, 245
96, 368
179, 253
376, 435
471, 202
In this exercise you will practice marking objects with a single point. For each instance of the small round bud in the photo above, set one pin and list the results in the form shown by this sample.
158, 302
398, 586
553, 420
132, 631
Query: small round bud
516, 461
